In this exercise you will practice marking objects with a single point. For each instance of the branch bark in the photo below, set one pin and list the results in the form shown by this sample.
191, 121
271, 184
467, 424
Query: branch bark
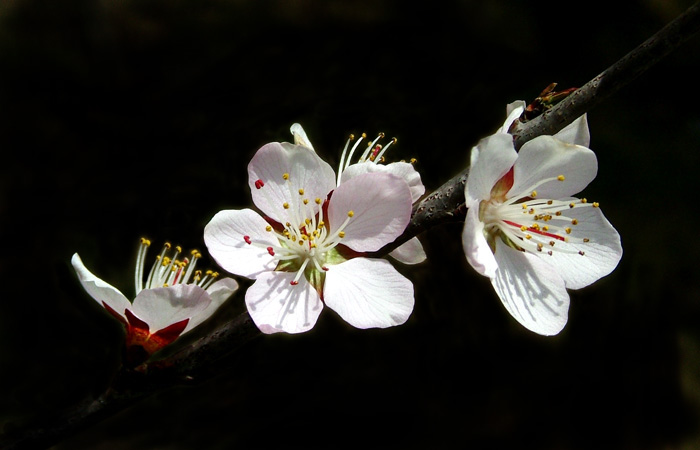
445, 204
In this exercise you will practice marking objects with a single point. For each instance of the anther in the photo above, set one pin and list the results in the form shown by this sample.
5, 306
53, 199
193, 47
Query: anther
271, 251
285, 176
247, 239
571, 205
351, 213
301, 191
259, 184
285, 205
581, 253
596, 204
568, 230
268, 228
574, 222
586, 240
533, 194
341, 234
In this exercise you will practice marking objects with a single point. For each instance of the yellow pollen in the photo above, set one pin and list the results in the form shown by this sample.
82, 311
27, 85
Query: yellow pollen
596, 204
301, 192
535, 226
574, 222
341, 234
321, 224
545, 228
364, 135
551, 243
523, 228
584, 200
209, 272
531, 211
145, 241
351, 213
306, 201
549, 202
285, 205
527, 236
533, 194
571, 205
268, 228
307, 221
561, 178
558, 213
285, 176
524, 206
294, 238
167, 245
318, 201
413, 160
313, 245
586, 240
539, 247
568, 230
178, 248
301, 242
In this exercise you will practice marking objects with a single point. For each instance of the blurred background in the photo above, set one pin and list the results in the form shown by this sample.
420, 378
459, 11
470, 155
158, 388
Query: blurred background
122, 119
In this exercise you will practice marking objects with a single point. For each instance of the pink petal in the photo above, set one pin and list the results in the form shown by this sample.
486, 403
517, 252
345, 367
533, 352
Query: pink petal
531, 290
476, 248
576, 132
99, 290
401, 169
368, 293
277, 306
381, 204
226, 237
164, 306
306, 171
546, 157
600, 255
493, 158
410, 252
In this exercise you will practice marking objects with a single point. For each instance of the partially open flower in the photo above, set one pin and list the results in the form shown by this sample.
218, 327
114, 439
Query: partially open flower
307, 250
526, 231
174, 298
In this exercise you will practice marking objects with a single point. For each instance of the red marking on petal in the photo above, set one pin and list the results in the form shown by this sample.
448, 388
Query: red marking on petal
259, 184
502, 186
247, 239
135, 322
536, 231
168, 334
293, 283
116, 315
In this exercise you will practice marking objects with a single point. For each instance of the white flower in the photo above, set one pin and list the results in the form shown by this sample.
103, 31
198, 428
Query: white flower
525, 230
370, 161
306, 251
174, 299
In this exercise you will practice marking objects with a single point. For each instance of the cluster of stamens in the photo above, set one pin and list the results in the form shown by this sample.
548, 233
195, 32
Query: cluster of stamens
305, 238
169, 269
536, 225
374, 152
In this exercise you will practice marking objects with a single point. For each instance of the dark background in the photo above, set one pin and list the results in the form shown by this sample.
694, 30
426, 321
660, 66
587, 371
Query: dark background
122, 119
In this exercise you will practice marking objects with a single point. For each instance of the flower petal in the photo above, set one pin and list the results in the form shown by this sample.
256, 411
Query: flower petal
410, 252
276, 306
102, 292
476, 248
546, 157
531, 290
513, 111
368, 293
218, 292
300, 137
306, 171
401, 169
225, 238
576, 132
164, 306
494, 158
601, 253
381, 206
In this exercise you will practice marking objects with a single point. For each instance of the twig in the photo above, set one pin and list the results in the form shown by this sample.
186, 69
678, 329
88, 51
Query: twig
445, 204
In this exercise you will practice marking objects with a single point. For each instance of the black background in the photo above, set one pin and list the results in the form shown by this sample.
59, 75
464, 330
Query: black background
122, 119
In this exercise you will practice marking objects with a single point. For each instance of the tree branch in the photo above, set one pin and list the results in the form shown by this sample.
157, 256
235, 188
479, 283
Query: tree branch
445, 204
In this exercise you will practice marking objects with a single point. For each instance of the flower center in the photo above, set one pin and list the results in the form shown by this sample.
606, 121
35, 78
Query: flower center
527, 223
305, 243
168, 270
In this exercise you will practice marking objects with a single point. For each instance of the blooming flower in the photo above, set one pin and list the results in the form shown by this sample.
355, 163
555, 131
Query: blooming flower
370, 161
526, 232
307, 250
174, 299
